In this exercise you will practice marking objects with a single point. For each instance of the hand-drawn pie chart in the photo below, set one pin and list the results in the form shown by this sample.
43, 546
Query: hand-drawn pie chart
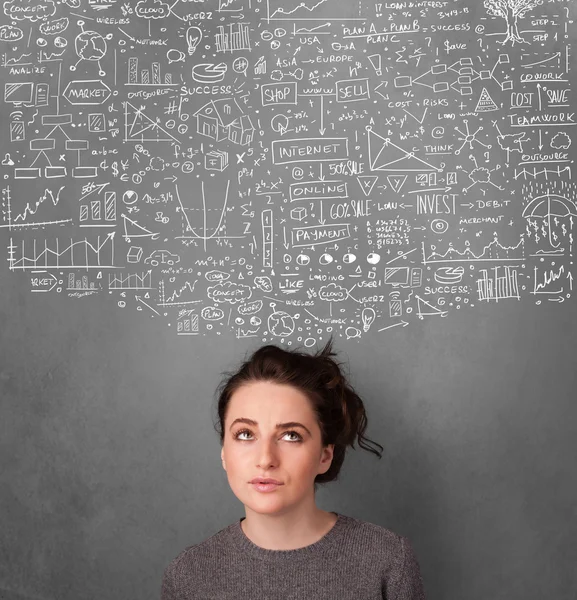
209, 73
129, 197
449, 274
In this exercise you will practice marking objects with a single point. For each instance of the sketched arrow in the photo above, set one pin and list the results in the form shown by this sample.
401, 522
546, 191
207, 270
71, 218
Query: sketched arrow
321, 220
124, 32
445, 189
403, 323
143, 302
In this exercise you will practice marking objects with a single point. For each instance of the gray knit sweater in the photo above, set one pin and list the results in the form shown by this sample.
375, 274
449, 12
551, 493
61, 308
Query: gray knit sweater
355, 560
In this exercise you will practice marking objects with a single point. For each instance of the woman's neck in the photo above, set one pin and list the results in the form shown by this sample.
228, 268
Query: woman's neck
290, 532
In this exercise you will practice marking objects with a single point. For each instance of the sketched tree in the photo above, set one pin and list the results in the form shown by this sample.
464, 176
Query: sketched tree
511, 11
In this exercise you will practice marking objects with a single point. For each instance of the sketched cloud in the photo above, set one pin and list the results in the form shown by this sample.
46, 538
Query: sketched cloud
229, 292
561, 141
263, 283
480, 175
152, 9
33, 10
54, 27
333, 293
8, 33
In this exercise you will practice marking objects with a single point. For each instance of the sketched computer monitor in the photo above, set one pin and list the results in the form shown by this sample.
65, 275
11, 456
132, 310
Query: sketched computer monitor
20, 93
397, 275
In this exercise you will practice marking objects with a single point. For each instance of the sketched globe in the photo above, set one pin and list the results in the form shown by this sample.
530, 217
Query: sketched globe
90, 45
281, 323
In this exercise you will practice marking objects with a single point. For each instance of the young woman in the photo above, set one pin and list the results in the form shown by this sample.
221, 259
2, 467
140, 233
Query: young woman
285, 420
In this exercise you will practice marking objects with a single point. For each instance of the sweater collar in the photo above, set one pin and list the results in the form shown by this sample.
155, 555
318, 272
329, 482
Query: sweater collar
321, 547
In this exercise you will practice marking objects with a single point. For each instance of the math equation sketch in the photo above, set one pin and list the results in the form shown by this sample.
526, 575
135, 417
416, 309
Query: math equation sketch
283, 169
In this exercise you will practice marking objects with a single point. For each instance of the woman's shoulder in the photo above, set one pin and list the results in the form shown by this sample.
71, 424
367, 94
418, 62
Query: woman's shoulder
390, 552
205, 548
373, 536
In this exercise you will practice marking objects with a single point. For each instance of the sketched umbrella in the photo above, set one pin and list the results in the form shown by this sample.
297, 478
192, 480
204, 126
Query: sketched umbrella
550, 205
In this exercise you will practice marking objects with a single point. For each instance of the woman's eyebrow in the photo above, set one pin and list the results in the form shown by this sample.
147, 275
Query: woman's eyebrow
278, 425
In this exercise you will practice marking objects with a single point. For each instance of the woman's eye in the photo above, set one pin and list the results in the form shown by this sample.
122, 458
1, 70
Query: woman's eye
242, 432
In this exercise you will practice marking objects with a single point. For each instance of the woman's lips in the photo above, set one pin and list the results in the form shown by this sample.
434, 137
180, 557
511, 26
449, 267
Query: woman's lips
266, 487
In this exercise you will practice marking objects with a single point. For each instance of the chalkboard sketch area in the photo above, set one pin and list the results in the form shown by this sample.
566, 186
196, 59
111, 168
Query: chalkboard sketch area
289, 170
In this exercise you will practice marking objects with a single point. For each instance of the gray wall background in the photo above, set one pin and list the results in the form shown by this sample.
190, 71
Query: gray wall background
110, 465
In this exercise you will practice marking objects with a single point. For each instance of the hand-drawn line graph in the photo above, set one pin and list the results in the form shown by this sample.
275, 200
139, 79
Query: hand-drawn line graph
77, 255
316, 30
233, 5
550, 277
131, 281
556, 55
174, 298
30, 210
310, 10
205, 237
493, 251
7, 62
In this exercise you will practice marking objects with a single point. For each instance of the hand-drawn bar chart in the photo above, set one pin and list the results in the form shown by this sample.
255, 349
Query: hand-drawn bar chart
147, 76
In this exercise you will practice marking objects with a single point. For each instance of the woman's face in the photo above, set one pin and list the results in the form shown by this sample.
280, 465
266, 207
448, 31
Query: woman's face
290, 454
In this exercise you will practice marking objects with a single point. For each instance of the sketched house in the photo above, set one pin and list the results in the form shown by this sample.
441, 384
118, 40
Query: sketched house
224, 119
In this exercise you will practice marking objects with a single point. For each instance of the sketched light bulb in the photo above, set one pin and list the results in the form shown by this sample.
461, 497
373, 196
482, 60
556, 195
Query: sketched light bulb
193, 37
368, 316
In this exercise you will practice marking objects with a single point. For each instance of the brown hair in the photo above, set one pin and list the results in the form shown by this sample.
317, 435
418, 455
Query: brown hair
339, 410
